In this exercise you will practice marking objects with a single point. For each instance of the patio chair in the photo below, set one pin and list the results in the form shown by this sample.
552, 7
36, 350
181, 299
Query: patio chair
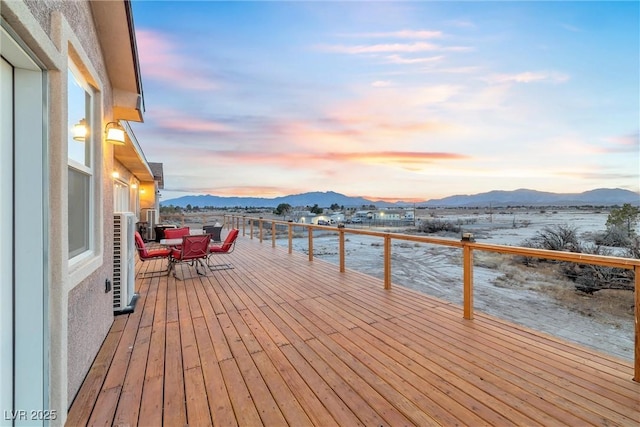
214, 230
176, 233
226, 248
150, 254
193, 250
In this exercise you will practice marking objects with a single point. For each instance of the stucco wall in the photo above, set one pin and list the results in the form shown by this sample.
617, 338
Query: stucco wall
80, 310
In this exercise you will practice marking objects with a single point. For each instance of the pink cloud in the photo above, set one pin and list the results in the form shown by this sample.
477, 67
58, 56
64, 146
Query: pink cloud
175, 120
300, 160
623, 144
249, 191
160, 60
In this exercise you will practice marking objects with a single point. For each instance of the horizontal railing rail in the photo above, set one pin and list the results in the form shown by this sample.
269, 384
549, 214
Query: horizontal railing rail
467, 245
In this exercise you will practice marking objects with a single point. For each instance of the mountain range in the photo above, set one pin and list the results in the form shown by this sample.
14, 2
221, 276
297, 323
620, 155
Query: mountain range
521, 197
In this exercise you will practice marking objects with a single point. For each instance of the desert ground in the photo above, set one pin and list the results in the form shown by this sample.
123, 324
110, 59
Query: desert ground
535, 297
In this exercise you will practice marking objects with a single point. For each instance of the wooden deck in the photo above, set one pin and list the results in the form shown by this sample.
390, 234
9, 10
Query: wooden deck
279, 340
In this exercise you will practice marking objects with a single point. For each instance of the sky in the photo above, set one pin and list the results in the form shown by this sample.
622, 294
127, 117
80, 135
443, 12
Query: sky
389, 100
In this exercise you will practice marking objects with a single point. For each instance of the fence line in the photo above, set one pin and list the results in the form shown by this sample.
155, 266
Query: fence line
466, 244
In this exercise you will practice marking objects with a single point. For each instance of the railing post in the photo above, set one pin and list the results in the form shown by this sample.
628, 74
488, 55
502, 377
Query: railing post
290, 237
387, 261
341, 251
244, 222
310, 243
636, 355
260, 229
467, 273
251, 228
273, 234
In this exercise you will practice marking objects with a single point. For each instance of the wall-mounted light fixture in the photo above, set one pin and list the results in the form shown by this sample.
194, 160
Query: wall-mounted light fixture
134, 185
80, 131
115, 174
115, 134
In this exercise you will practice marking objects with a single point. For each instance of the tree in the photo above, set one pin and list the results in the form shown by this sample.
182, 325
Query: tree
316, 209
334, 207
624, 218
282, 209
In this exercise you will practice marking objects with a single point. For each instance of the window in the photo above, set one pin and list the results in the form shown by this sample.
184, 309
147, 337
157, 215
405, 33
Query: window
120, 197
80, 163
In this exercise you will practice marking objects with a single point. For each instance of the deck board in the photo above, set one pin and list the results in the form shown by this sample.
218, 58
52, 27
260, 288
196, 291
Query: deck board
279, 340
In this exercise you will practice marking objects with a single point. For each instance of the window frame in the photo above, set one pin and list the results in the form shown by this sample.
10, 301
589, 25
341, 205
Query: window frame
88, 250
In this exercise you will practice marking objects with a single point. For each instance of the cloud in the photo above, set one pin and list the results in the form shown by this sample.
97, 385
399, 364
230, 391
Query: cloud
398, 59
382, 83
160, 60
623, 144
460, 23
401, 34
389, 48
177, 121
238, 191
529, 77
416, 160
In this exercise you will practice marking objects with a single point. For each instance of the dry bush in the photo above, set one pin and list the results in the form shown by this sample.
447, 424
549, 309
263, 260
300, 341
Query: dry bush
587, 278
611, 306
437, 225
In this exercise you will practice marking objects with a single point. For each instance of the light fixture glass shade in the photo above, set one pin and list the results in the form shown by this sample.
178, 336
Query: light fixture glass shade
80, 131
115, 136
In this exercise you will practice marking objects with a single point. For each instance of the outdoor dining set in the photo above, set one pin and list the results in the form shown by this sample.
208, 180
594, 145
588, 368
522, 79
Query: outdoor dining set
198, 248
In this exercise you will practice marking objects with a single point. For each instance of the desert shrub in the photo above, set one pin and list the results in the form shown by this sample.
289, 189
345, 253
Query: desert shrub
590, 278
554, 238
436, 225
613, 236
587, 278
633, 248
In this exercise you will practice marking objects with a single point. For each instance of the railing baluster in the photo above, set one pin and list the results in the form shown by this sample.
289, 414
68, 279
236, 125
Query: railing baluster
387, 261
467, 273
310, 243
273, 234
636, 366
341, 236
290, 238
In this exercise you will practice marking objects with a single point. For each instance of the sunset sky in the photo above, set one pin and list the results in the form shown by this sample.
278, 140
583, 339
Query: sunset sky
390, 100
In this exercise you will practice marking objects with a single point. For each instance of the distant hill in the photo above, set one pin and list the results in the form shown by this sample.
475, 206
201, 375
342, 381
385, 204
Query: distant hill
322, 199
521, 197
525, 197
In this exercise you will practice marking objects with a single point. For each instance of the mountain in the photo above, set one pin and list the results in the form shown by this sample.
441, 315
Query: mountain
322, 199
521, 197
525, 197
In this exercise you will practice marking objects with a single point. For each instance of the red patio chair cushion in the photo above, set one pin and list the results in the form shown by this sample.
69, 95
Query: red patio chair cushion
176, 233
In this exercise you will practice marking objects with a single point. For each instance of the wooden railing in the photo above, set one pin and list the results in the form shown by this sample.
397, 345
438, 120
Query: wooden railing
466, 244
